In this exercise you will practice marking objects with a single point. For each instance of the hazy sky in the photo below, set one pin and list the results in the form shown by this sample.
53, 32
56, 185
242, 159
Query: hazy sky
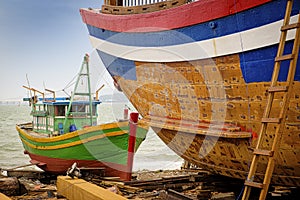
45, 39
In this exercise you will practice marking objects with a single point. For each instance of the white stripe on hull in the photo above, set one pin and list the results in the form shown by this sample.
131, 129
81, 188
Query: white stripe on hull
231, 44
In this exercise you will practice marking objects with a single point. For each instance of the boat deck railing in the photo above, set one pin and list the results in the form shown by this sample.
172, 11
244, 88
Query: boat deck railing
126, 3
124, 7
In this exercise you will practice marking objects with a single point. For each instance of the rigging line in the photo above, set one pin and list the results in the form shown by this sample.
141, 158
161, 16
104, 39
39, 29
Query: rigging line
102, 75
70, 85
103, 71
107, 82
28, 84
63, 90
72, 82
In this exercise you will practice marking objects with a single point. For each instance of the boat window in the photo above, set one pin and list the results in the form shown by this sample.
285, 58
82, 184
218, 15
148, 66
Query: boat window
35, 122
94, 110
40, 108
78, 108
50, 123
94, 107
51, 110
60, 110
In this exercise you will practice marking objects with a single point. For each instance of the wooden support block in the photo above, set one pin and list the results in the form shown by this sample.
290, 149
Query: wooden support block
254, 184
4, 197
79, 189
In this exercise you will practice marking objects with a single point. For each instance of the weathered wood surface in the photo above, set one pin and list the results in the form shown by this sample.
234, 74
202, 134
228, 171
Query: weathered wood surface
25, 173
214, 91
9, 186
209, 186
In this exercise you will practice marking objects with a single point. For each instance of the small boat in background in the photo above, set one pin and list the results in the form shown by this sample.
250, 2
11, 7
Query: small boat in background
65, 131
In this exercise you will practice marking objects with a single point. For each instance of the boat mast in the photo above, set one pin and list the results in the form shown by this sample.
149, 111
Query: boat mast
84, 72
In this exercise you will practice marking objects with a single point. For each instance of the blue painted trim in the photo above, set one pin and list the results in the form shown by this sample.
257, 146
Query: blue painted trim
118, 66
242, 21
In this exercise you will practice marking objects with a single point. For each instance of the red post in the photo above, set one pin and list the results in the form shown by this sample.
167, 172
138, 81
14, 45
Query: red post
125, 113
134, 116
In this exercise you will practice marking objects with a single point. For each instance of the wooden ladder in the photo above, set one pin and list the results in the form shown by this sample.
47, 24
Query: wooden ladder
280, 120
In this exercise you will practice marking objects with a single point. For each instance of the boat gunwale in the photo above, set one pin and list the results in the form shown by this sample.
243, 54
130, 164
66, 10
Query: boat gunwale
168, 18
70, 134
70, 144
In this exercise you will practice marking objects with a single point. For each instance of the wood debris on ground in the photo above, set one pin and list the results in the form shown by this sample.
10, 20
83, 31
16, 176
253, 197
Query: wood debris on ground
148, 185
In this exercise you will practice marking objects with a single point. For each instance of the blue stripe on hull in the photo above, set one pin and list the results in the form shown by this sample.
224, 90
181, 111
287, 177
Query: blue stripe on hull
118, 66
246, 20
256, 66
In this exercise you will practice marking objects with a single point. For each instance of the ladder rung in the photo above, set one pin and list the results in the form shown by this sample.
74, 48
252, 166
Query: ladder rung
83, 94
263, 152
271, 120
278, 89
284, 57
290, 26
254, 184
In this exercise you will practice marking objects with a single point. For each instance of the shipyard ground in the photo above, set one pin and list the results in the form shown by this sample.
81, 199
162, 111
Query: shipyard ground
146, 185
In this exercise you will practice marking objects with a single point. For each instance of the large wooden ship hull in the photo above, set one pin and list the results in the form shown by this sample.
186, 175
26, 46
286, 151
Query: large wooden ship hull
105, 146
199, 73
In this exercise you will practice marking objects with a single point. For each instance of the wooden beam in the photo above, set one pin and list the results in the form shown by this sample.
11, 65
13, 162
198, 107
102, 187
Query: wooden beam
4, 197
79, 189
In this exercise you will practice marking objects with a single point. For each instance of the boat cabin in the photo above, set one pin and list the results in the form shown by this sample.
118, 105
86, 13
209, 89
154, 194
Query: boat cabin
51, 116
57, 116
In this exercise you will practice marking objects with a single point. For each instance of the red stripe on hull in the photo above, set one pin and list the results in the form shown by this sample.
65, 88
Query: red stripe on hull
60, 166
177, 17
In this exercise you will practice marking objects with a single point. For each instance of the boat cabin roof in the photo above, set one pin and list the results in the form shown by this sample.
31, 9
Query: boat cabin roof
56, 103
62, 101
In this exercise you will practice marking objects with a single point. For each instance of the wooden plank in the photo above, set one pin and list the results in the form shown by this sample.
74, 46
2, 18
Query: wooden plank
172, 194
254, 184
79, 189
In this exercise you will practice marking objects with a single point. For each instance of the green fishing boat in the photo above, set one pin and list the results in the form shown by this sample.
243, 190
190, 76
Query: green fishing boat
64, 131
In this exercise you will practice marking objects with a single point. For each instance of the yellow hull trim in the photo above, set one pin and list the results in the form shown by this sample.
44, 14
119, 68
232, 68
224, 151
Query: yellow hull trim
61, 146
72, 134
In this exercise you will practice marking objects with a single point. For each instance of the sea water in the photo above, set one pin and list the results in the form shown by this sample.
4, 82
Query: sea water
153, 154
